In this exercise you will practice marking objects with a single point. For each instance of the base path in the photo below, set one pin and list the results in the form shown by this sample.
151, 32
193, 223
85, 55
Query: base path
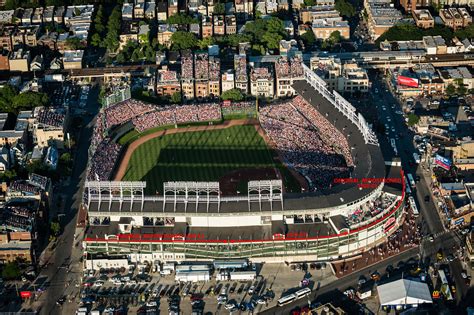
122, 168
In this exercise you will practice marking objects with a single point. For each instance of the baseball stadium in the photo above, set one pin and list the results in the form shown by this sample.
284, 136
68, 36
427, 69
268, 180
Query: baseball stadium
300, 179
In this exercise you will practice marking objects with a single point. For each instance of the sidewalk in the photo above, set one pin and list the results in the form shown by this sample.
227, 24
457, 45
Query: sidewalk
406, 237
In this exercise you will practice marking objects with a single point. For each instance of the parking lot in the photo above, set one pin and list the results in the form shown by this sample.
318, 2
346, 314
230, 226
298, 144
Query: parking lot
145, 292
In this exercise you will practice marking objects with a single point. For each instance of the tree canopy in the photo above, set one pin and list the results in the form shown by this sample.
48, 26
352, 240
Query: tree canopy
308, 38
232, 95
113, 29
265, 34
176, 98
450, 89
412, 32
345, 8
183, 40
219, 9
182, 19
413, 119
11, 271
12, 102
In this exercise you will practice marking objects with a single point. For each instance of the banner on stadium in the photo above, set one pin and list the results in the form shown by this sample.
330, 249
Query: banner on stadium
459, 221
389, 225
443, 162
411, 82
25, 294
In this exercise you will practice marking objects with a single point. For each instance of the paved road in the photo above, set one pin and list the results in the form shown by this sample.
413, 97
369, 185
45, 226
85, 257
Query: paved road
56, 273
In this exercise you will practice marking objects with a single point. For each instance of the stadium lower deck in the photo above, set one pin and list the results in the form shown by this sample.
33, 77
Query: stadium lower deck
268, 225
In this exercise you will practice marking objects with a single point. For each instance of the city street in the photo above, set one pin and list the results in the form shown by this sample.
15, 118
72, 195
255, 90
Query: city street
57, 274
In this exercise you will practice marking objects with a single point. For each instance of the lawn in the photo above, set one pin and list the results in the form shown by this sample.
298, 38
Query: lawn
201, 156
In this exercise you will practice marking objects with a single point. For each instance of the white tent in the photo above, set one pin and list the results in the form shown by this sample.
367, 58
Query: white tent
404, 292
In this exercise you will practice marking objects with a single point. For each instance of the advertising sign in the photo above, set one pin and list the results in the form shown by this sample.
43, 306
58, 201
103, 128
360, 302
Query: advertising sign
443, 162
406, 81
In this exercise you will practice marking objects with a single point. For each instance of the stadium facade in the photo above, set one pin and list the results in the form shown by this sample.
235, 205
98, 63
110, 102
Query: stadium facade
193, 221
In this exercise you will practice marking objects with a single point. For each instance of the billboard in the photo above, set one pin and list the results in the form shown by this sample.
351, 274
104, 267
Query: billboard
443, 162
406, 81
25, 294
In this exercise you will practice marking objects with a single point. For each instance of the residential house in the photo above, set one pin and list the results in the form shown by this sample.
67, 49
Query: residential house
262, 82
72, 59
20, 60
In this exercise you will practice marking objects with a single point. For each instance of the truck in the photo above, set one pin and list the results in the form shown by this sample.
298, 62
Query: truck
242, 275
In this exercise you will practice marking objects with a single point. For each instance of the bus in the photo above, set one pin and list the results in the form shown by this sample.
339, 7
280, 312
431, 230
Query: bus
413, 206
394, 146
294, 296
407, 186
445, 285
303, 292
416, 157
286, 299
411, 180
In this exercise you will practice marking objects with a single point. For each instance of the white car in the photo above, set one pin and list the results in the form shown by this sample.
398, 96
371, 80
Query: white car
261, 301
151, 303
251, 289
98, 283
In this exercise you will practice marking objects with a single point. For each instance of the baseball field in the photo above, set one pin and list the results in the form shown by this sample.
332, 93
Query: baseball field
232, 155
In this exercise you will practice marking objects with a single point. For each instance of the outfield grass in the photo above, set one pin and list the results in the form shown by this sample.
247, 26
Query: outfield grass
201, 156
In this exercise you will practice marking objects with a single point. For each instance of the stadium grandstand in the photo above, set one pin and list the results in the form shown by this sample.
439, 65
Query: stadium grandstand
351, 202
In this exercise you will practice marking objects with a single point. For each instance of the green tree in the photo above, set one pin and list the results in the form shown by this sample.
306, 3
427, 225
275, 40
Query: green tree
99, 20
309, 3
183, 40
12, 4
413, 119
265, 34
11, 271
8, 175
345, 8
96, 40
450, 90
232, 95
308, 38
235, 39
219, 9
29, 100
55, 228
113, 29
75, 43
181, 19
7, 95
205, 42
176, 98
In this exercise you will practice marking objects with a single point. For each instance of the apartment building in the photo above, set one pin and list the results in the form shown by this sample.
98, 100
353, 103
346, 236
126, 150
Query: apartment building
72, 59
230, 24
165, 31
287, 70
167, 82
150, 10
214, 76
4, 60
228, 80
455, 18
308, 15
127, 11
423, 18
201, 74
206, 27
219, 24
381, 16
48, 126
128, 33
323, 28
5, 37
241, 73
161, 11
20, 60
187, 75
341, 77
262, 82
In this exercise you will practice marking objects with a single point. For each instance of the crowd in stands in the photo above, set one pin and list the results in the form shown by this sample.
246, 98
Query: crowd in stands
201, 66
19, 217
187, 66
214, 68
260, 73
122, 112
302, 145
177, 115
99, 130
332, 136
167, 76
240, 66
103, 160
23, 187
50, 117
371, 208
